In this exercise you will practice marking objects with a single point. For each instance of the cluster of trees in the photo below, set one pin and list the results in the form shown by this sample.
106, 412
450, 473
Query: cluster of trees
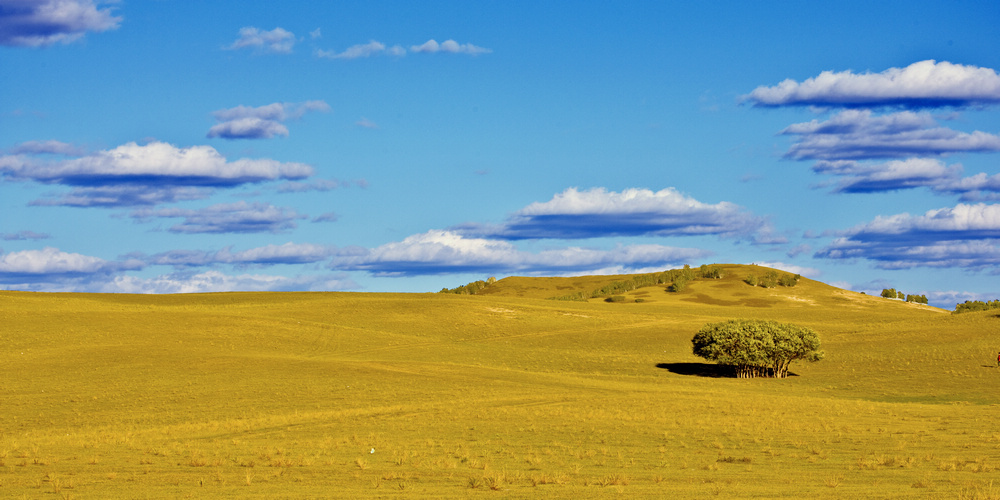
976, 305
756, 348
471, 288
772, 279
892, 293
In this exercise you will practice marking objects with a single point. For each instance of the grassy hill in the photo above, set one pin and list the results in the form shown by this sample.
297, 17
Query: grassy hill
499, 395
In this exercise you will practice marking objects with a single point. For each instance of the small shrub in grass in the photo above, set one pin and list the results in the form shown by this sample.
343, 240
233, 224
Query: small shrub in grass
615, 298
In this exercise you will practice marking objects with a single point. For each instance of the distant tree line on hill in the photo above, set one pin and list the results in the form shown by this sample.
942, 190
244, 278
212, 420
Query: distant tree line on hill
976, 305
471, 288
773, 279
676, 278
892, 293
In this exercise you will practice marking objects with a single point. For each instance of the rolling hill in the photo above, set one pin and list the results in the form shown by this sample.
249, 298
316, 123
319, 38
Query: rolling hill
502, 394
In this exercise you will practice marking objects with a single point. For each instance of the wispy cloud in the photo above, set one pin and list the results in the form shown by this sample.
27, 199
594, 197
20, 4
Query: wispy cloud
967, 235
288, 253
366, 123
441, 252
263, 122
239, 217
376, 48
858, 135
216, 281
38, 23
922, 84
134, 174
24, 235
372, 48
50, 147
277, 40
594, 213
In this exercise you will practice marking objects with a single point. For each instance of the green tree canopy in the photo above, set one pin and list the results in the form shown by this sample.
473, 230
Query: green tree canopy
756, 348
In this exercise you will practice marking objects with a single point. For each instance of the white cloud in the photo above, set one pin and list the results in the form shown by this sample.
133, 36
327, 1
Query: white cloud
155, 166
277, 111
440, 252
376, 48
248, 128
962, 236
215, 281
372, 48
239, 217
808, 272
49, 261
891, 175
50, 147
263, 122
921, 84
277, 40
36, 23
593, 213
431, 46
858, 135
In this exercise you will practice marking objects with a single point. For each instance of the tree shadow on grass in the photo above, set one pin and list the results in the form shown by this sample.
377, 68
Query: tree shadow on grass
708, 370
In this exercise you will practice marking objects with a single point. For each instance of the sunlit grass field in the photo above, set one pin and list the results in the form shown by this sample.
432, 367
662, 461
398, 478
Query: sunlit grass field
499, 395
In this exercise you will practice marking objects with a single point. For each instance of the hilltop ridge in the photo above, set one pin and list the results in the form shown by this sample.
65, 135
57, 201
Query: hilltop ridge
729, 290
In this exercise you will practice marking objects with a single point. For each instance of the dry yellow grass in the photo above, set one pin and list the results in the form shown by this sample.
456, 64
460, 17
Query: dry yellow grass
428, 395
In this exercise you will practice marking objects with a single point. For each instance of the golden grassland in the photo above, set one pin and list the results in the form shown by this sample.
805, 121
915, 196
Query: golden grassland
502, 395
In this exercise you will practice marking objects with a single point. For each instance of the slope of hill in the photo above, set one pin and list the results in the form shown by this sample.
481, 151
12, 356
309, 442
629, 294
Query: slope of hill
432, 395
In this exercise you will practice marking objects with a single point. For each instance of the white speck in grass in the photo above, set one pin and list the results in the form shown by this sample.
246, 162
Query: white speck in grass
373, 451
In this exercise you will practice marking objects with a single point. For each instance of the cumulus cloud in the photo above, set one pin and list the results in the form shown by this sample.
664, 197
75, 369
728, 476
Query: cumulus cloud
372, 48
277, 40
858, 135
920, 85
29, 268
263, 122
38, 23
440, 252
451, 46
594, 213
240, 217
967, 235
134, 174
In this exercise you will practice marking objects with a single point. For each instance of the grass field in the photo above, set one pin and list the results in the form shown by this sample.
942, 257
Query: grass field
501, 395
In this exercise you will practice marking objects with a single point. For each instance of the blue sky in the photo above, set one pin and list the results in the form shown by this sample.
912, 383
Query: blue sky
166, 146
